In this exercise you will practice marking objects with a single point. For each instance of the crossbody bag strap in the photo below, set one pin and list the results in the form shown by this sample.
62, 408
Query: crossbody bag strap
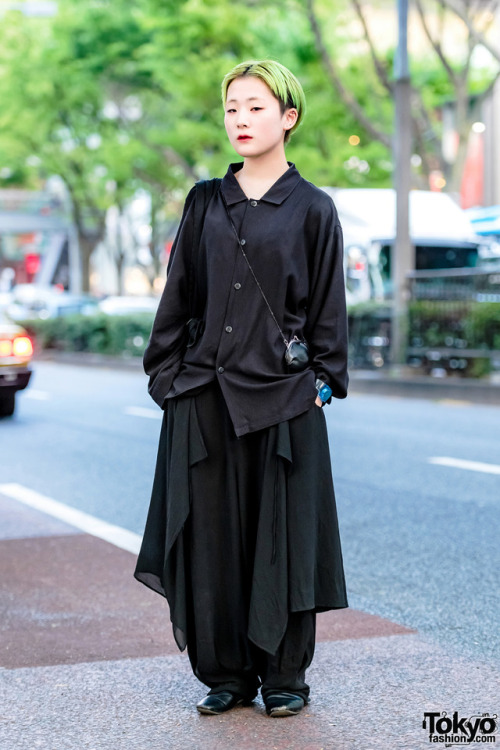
240, 245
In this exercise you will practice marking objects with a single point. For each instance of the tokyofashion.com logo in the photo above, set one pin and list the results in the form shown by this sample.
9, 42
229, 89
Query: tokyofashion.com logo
455, 730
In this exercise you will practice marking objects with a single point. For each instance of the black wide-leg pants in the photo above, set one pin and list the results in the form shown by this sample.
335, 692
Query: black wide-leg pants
254, 552
226, 496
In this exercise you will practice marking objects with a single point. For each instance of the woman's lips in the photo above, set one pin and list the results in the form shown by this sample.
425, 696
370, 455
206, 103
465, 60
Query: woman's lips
244, 137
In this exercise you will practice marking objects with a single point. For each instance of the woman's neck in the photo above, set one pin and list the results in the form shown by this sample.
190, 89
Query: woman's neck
257, 176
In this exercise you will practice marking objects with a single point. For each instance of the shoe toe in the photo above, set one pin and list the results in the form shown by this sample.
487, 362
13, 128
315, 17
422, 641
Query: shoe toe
218, 703
283, 704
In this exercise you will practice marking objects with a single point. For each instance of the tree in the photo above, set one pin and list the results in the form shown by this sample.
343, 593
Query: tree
452, 77
117, 97
64, 81
100, 96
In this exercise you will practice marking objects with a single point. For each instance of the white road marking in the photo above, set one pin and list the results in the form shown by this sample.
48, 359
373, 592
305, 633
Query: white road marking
142, 411
453, 402
122, 538
459, 463
37, 395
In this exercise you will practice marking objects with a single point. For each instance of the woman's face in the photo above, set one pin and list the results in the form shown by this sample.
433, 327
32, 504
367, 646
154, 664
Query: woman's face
253, 119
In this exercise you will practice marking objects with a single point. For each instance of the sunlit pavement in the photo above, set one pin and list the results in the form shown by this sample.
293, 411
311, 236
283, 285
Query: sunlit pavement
88, 661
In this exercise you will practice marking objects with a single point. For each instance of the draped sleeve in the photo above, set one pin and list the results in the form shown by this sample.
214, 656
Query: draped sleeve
326, 329
164, 352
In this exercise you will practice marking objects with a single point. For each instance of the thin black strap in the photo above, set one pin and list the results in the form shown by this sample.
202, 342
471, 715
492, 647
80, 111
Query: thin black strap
240, 245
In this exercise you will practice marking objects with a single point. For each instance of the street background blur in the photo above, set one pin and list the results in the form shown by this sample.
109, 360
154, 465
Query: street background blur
109, 112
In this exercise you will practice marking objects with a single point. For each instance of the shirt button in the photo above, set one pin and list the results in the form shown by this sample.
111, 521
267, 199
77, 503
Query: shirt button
220, 370
253, 203
229, 329
243, 242
237, 285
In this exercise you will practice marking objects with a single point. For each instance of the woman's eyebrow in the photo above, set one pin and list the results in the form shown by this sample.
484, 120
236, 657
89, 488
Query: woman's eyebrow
250, 99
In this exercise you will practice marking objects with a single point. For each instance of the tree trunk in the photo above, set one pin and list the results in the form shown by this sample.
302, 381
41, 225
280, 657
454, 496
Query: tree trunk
119, 252
119, 273
156, 238
87, 247
454, 183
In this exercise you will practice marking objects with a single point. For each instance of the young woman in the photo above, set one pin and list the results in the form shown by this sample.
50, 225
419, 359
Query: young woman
242, 535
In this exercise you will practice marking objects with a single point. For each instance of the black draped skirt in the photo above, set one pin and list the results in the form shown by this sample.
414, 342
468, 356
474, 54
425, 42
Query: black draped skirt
256, 513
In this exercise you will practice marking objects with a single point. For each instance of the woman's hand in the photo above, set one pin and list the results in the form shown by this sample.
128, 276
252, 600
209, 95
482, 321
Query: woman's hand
318, 401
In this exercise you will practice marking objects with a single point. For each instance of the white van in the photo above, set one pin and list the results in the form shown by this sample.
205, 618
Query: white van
439, 229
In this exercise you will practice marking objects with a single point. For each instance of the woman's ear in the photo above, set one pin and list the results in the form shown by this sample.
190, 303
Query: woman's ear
290, 118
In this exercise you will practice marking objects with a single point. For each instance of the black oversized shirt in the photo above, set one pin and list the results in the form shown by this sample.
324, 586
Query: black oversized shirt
293, 240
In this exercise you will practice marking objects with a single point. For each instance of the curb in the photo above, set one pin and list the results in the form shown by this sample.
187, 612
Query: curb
90, 359
397, 382
402, 384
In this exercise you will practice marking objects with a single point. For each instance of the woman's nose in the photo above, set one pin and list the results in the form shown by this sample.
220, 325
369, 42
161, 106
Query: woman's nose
241, 120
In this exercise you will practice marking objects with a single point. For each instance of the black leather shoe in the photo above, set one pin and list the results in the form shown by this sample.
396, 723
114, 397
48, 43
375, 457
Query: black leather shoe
218, 703
283, 704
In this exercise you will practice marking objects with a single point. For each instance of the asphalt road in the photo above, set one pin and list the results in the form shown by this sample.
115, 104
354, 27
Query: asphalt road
421, 539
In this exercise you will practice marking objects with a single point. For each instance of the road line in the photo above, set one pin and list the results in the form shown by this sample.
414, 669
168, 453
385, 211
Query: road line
141, 411
453, 402
116, 535
37, 395
459, 463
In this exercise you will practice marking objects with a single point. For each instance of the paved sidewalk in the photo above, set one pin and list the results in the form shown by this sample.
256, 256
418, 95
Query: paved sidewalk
87, 662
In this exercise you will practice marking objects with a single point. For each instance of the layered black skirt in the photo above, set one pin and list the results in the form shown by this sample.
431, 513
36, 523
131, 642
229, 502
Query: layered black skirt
244, 523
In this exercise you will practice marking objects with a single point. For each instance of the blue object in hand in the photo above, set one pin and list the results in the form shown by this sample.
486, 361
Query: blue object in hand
324, 390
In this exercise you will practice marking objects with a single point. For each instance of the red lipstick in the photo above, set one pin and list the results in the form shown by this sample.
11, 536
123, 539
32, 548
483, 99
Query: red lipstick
244, 137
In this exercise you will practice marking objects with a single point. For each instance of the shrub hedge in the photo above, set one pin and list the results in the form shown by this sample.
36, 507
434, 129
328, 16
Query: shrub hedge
102, 334
432, 324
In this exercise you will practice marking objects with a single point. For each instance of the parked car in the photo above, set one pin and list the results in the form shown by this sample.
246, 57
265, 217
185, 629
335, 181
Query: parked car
32, 302
440, 232
16, 351
485, 221
128, 305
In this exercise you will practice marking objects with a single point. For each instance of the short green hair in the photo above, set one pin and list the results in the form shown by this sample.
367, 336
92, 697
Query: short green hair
281, 81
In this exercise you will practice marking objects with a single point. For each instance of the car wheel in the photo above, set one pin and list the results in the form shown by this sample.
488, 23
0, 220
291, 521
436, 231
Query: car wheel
7, 405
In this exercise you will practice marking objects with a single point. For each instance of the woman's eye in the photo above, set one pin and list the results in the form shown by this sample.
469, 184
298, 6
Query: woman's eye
256, 109
230, 111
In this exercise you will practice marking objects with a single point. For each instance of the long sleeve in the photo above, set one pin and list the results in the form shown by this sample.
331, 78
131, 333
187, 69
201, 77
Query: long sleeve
293, 241
163, 355
326, 329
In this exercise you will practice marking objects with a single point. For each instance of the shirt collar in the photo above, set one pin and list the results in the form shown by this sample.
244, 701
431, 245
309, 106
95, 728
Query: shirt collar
276, 194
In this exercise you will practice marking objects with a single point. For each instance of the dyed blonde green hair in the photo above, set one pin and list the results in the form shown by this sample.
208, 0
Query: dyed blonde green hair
282, 83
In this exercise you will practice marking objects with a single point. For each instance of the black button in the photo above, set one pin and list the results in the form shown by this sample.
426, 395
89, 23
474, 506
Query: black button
253, 203
243, 242
237, 285
220, 370
229, 329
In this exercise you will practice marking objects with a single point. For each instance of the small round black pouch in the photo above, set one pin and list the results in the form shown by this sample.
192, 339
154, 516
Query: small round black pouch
297, 355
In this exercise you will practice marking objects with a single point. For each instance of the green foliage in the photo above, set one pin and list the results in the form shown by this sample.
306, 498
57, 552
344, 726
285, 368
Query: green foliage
101, 334
473, 325
483, 325
439, 324
59, 76
120, 95
431, 325
456, 326
65, 75
480, 367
